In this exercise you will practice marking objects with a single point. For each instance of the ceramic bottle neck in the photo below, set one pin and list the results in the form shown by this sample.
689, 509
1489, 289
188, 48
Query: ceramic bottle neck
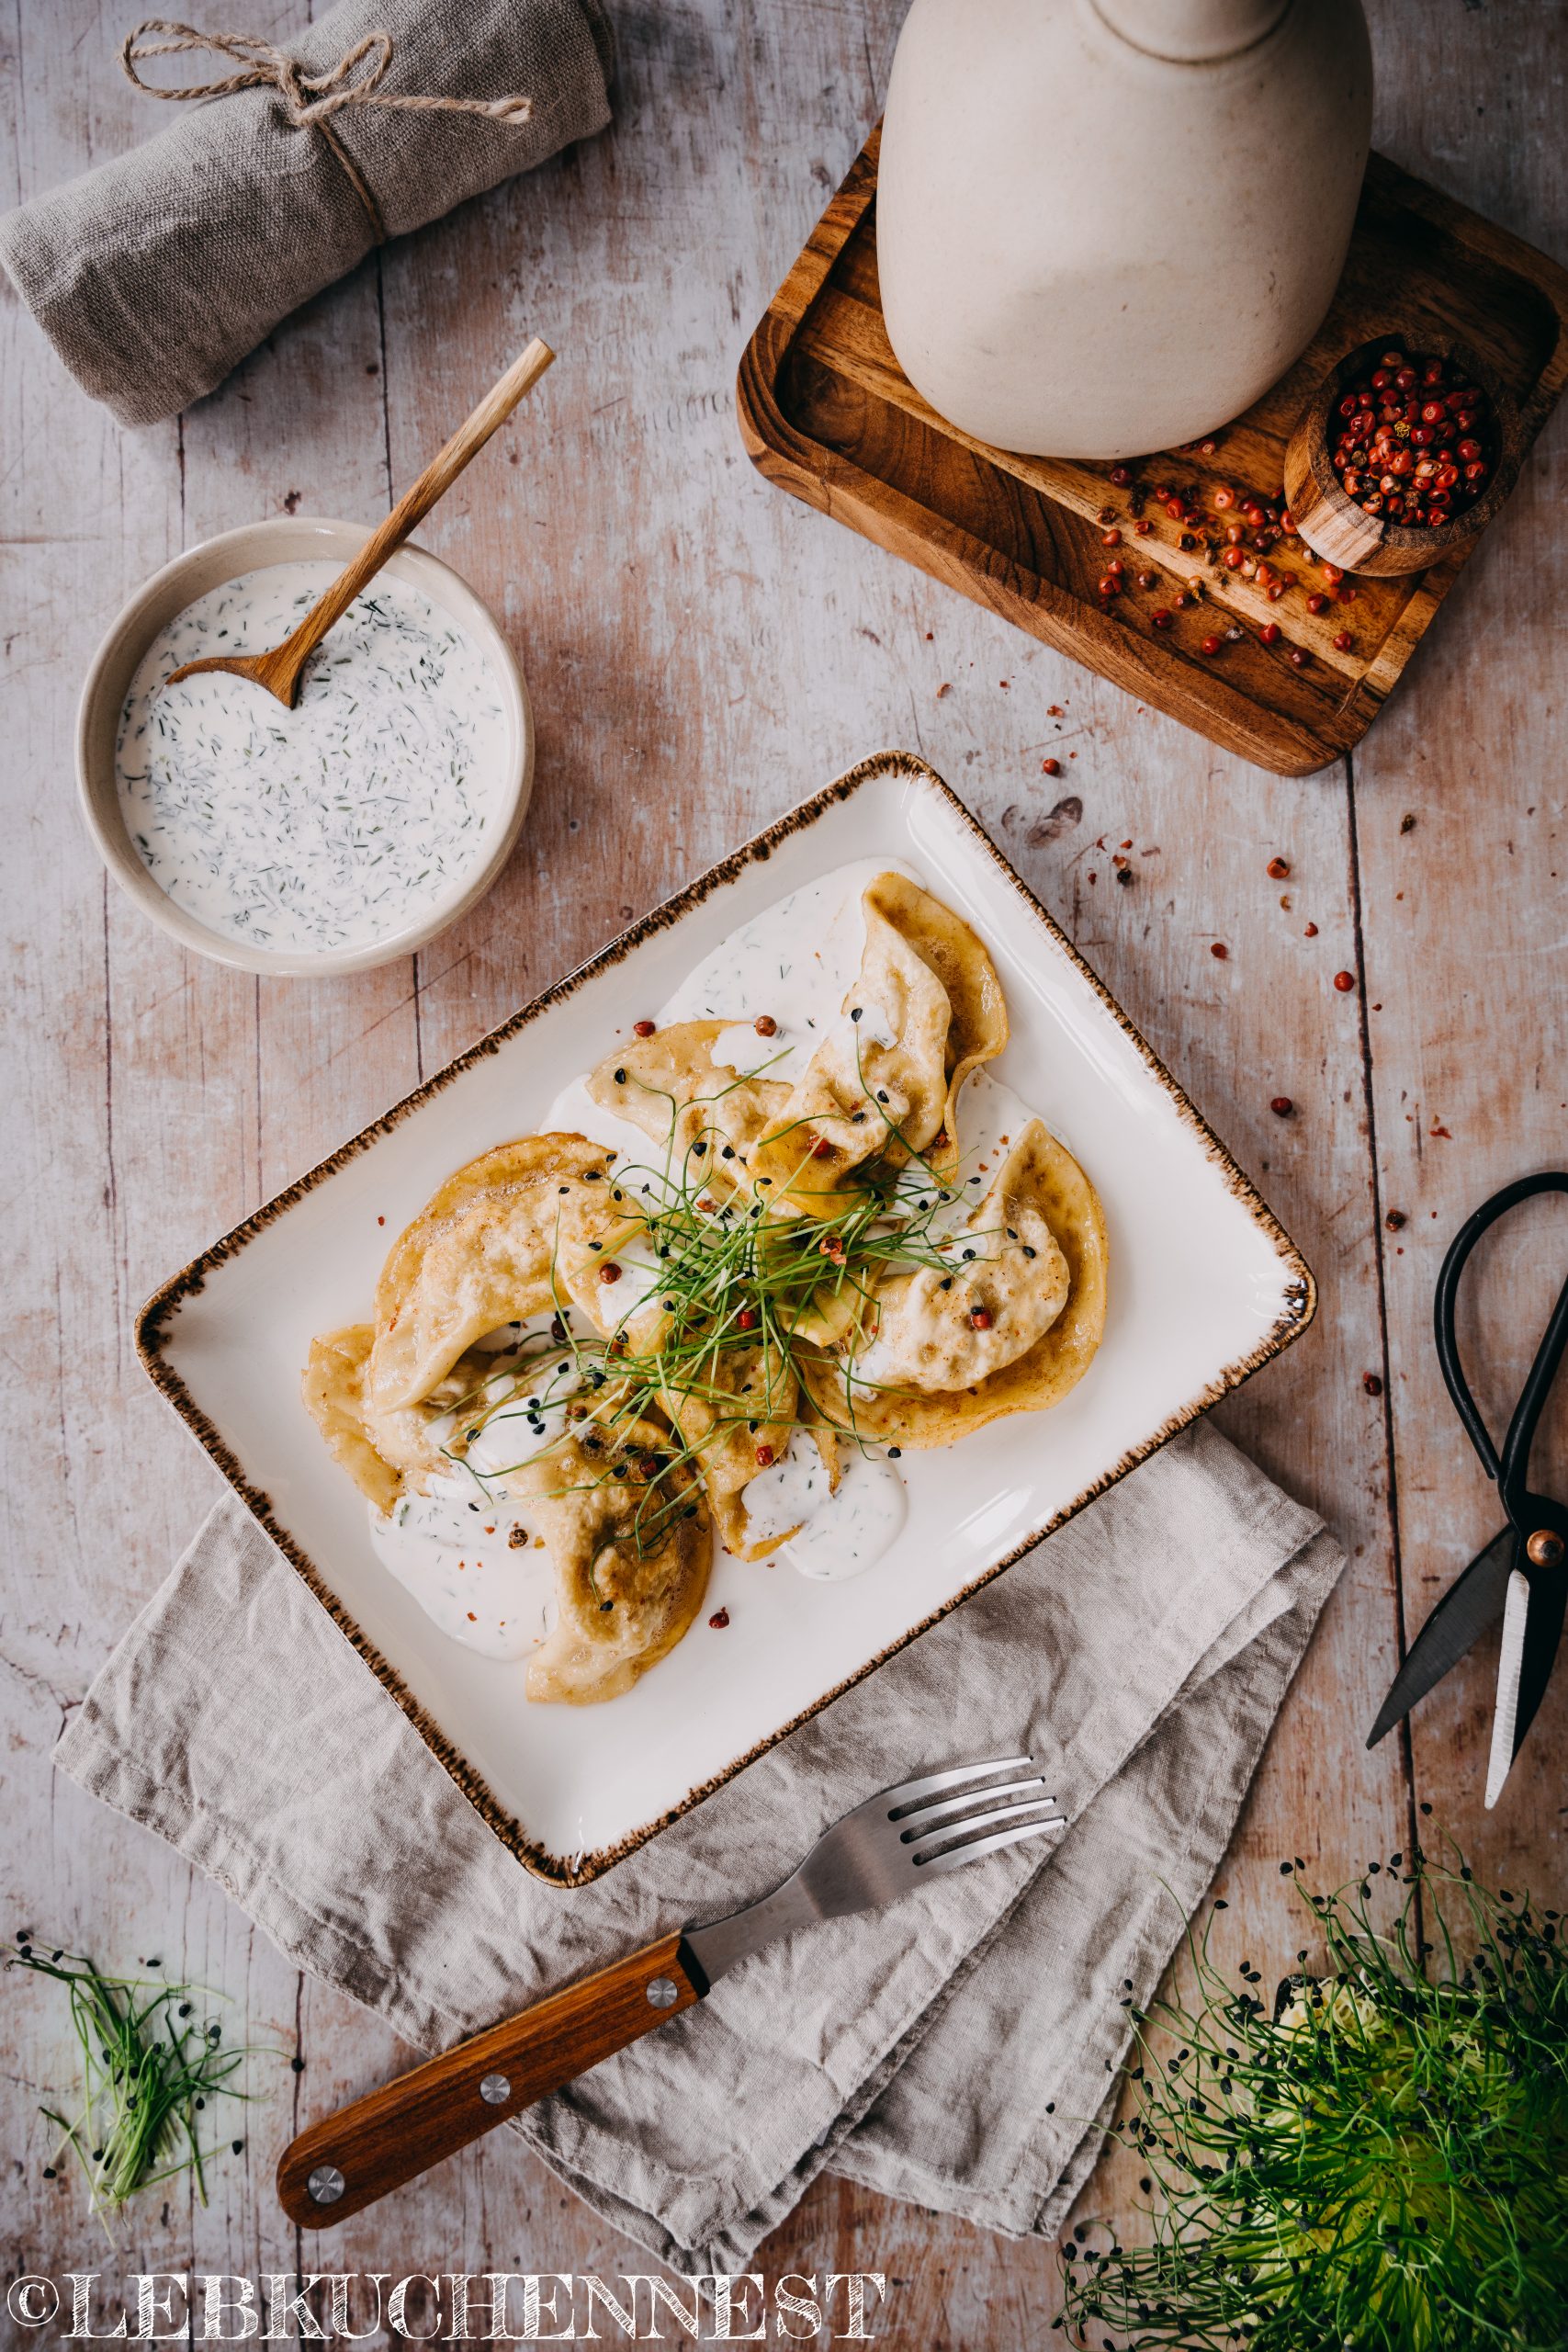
1192, 33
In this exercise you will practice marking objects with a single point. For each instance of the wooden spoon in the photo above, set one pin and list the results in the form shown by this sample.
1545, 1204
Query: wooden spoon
279, 671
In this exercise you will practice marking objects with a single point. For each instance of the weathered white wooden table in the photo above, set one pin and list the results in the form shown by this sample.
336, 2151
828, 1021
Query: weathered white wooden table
702, 652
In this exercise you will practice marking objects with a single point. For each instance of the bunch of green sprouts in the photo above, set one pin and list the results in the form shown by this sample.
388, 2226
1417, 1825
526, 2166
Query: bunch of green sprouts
149, 2068
1378, 2163
733, 1276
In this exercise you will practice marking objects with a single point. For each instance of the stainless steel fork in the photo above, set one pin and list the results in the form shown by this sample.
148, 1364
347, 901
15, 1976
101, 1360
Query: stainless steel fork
917, 1830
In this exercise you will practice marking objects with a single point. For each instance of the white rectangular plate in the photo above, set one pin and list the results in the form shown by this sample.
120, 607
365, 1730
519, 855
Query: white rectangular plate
1205, 1287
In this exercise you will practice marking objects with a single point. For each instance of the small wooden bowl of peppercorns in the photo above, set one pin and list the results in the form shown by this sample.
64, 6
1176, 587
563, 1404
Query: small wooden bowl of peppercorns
1406, 452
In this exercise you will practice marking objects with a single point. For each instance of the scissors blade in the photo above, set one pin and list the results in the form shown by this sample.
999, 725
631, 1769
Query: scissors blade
1510, 1670
1477, 1595
1532, 1625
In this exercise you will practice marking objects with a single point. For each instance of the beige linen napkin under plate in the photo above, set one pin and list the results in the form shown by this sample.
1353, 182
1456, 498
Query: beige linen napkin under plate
154, 275
956, 2047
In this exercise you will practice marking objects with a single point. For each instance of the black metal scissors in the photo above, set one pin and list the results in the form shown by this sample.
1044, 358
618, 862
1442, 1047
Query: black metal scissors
1523, 1572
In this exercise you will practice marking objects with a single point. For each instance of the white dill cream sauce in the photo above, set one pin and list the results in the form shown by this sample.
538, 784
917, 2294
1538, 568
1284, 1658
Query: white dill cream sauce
477, 1568
475, 1563
341, 823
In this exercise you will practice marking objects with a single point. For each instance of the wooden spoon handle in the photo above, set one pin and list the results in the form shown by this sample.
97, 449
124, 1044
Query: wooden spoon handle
395, 2133
417, 501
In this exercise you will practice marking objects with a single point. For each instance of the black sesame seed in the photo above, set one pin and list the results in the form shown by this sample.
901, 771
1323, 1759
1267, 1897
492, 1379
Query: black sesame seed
1028, 1251
855, 1013
620, 1078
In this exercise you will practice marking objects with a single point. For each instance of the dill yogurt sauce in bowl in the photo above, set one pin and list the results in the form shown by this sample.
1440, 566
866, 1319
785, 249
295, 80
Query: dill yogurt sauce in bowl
335, 836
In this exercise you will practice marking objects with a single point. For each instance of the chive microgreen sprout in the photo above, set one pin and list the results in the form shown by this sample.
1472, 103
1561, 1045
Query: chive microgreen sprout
149, 2065
739, 1288
1378, 2161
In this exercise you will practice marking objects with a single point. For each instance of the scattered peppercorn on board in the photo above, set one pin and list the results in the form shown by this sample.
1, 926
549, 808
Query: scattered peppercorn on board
1134, 569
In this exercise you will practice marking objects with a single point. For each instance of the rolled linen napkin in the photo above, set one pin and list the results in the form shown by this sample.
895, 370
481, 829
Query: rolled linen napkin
957, 2048
154, 274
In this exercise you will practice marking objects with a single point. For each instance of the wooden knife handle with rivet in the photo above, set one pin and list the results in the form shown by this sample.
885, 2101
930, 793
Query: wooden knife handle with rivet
393, 2135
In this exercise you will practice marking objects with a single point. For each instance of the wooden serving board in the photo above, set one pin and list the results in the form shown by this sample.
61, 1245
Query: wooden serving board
826, 412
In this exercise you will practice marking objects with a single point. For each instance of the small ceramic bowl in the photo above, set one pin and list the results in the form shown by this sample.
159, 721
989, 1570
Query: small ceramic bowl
1325, 515
285, 538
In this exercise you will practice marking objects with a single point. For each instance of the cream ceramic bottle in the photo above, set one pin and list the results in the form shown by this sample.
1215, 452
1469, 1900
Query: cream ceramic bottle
1104, 227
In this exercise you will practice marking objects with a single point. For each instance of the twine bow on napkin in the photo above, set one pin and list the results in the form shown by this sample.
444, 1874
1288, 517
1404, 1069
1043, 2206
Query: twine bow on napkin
157, 271
309, 99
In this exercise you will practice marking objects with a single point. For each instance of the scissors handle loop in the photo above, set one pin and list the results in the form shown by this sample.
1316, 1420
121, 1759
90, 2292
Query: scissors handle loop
1511, 1473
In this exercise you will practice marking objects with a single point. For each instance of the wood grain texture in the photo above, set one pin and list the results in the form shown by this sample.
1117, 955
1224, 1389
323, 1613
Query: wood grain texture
404, 2128
702, 652
827, 413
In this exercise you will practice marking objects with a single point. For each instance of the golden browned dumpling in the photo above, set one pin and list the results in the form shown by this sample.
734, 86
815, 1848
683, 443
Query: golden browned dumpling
926, 1009
1013, 1333
334, 1390
481, 1255
630, 1538
705, 1118
737, 1417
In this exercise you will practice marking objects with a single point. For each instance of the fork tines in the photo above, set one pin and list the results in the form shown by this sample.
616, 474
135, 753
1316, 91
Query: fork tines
941, 1831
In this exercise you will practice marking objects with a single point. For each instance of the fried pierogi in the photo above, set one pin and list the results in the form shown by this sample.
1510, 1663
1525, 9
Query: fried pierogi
482, 1254
1010, 1330
926, 1009
631, 1542
619, 1346
670, 1087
